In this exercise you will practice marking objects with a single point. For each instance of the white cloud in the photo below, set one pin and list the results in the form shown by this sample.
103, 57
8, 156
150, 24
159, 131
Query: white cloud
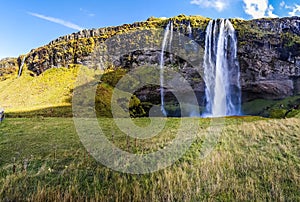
282, 4
256, 8
288, 7
295, 10
259, 8
57, 20
219, 5
270, 12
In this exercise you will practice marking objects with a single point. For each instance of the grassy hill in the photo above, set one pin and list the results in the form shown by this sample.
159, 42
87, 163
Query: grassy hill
50, 94
26, 93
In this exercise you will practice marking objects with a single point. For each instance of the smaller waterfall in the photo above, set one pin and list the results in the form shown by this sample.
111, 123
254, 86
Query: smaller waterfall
167, 35
171, 36
192, 46
189, 30
21, 66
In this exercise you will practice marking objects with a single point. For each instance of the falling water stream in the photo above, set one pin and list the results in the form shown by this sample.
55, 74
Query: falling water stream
21, 66
221, 70
168, 35
189, 30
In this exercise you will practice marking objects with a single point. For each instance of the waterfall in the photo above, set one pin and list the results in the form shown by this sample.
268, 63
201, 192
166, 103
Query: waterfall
168, 31
171, 37
221, 70
21, 66
189, 30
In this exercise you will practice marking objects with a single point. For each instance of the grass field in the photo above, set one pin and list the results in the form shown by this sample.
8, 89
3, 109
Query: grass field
255, 159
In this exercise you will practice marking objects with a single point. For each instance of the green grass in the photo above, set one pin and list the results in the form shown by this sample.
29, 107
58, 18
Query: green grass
59, 111
51, 89
254, 160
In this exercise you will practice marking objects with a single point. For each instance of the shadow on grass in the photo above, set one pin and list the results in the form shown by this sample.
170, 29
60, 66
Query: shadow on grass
61, 111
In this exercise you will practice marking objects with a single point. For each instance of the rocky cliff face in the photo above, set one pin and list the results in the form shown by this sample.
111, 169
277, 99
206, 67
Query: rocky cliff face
268, 52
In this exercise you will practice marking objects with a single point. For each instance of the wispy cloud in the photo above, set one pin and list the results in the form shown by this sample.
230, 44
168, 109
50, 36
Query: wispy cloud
282, 4
87, 12
295, 10
57, 20
219, 5
259, 8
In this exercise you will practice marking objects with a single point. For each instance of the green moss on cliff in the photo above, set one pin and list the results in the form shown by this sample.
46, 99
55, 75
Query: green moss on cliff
8, 68
290, 41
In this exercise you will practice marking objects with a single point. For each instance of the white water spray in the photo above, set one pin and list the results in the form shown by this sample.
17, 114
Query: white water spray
221, 70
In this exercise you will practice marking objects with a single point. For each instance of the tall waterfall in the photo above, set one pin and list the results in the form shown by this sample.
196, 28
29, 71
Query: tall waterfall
221, 70
21, 66
167, 35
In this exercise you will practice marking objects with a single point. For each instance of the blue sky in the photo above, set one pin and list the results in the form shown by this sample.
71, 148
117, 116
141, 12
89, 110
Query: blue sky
28, 24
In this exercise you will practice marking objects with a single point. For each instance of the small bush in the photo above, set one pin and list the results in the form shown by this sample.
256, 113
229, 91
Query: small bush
293, 113
278, 113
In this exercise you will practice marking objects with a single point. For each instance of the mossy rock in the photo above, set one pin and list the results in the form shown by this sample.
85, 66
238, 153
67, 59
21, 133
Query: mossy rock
278, 113
293, 113
113, 77
136, 108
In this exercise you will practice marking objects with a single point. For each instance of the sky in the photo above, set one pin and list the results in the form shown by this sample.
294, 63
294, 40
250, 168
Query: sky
28, 24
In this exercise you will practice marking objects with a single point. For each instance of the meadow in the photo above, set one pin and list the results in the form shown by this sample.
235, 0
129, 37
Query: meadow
255, 159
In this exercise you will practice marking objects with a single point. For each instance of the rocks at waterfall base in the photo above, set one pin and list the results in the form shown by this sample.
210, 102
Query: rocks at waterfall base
268, 53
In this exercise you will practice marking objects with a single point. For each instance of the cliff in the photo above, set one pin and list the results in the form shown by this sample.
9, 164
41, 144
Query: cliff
269, 55
268, 52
